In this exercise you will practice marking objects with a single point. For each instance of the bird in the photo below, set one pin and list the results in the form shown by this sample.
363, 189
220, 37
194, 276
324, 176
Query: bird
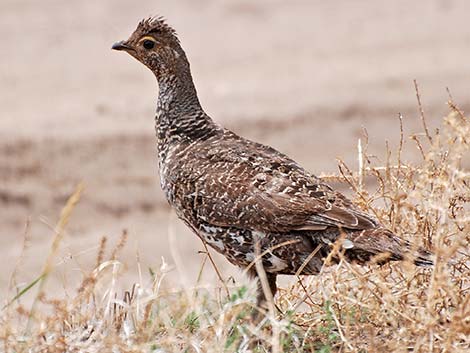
246, 200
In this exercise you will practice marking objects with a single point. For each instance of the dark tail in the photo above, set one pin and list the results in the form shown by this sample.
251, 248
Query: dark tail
423, 258
384, 246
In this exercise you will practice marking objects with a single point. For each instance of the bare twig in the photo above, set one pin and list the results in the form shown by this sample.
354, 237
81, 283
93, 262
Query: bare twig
216, 269
454, 106
275, 338
420, 147
267, 251
421, 112
400, 147
360, 158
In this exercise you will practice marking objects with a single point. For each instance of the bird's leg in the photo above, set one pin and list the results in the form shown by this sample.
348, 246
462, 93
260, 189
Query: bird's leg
262, 303
262, 298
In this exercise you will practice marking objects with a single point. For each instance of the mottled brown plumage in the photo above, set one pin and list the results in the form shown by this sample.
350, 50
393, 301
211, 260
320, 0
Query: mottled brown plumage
233, 192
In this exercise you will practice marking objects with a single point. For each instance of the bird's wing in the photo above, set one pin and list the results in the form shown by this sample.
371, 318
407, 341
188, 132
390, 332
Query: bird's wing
256, 187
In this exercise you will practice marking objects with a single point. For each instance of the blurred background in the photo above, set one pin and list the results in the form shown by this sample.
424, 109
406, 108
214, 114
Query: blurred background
303, 76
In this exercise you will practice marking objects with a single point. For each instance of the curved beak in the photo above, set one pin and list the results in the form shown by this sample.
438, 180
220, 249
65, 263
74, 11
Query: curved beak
122, 45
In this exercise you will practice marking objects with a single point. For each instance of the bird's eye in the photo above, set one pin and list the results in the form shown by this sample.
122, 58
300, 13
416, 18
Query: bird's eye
148, 44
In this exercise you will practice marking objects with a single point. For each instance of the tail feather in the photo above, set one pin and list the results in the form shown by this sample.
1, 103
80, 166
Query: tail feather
371, 243
423, 258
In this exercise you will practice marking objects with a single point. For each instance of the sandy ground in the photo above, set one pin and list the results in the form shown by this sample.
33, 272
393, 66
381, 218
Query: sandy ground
303, 76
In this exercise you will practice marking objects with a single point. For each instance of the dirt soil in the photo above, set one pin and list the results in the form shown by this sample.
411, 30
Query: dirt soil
303, 76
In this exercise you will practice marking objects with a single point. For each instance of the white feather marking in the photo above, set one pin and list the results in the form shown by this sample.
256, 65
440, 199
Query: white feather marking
277, 263
209, 236
348, 244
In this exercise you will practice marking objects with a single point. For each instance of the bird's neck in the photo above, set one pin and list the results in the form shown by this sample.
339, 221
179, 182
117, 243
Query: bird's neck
180, 116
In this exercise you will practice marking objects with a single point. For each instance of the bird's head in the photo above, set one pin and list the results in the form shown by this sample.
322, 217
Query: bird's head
155, 44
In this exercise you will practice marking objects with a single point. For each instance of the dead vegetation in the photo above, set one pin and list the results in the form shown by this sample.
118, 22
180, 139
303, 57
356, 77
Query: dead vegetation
347, 308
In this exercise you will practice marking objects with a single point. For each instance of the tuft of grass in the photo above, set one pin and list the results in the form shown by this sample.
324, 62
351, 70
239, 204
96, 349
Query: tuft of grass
346, 308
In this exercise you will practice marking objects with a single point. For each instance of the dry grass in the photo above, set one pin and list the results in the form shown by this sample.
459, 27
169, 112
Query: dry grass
347, 308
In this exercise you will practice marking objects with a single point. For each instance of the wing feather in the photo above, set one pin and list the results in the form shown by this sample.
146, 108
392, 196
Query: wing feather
255, 187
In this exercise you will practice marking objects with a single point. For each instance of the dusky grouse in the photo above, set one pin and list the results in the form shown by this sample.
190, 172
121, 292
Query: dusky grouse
234, 193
